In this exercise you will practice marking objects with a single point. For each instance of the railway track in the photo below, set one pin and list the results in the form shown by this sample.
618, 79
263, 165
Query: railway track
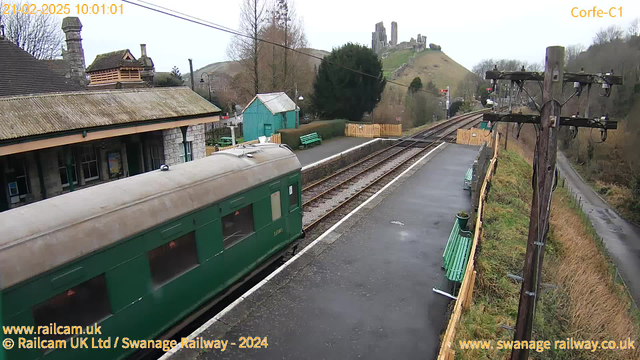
370, 174
352, 185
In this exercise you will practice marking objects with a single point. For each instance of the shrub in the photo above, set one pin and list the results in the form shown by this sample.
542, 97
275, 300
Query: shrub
326, 129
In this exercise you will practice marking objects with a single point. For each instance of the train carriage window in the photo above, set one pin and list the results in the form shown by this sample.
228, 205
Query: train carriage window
81, 305
173, 258
276, 211
293, 195
237, 226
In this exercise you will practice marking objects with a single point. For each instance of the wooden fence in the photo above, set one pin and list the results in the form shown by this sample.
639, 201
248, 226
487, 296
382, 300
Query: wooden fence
473, 136
466, 289
275, 139
372, 130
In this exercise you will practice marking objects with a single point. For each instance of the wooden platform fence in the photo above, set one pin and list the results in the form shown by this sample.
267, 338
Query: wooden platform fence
275, 139
466, 289
372, 130
473, 136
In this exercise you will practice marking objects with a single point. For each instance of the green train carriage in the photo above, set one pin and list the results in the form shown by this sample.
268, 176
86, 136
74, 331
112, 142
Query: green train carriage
138, 255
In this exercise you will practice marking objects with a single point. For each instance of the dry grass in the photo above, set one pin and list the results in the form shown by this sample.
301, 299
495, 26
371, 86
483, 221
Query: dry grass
587, 305
598, 309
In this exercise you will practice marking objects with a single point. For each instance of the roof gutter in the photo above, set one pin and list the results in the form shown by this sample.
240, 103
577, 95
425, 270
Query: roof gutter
30, 143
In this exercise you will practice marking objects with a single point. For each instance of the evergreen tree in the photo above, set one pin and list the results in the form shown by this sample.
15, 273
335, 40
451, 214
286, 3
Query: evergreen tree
342, 93
416, 85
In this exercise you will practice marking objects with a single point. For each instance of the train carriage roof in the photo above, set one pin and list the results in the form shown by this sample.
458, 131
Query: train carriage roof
45, 235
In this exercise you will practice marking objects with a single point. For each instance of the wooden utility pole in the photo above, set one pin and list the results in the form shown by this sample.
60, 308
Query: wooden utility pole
544, 176
549, 122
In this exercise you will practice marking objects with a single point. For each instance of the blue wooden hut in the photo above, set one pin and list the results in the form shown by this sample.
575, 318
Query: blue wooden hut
268, 113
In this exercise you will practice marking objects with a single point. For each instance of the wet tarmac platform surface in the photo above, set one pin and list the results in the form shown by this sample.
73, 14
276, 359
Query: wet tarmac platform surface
328, 148
365, 291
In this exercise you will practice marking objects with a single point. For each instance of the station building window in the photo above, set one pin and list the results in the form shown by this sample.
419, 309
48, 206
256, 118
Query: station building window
89, 163
276, 211
189, 156
237, 226
62, 167
170, 260
157, 156
16, 176
293, 195
81, 305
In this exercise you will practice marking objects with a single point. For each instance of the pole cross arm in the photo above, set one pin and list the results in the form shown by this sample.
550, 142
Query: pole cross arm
582, 78
564, 120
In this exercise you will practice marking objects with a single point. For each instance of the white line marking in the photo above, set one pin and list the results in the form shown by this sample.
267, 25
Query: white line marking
204, 326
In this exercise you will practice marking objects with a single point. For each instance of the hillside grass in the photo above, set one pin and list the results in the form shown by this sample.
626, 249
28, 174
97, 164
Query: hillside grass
586, 305
395, 60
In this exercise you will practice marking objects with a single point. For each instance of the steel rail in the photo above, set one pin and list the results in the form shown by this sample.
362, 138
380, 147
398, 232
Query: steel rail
376, 181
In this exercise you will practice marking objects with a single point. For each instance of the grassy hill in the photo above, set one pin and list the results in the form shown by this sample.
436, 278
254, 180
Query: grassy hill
428, 65
230, 68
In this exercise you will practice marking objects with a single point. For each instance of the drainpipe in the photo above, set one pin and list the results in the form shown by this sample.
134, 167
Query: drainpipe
43, 189
184, 141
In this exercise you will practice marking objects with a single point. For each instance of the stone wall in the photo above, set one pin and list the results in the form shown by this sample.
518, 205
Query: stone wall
314, 173
173, 143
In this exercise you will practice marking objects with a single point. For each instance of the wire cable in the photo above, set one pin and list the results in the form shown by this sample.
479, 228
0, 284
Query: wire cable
209, 24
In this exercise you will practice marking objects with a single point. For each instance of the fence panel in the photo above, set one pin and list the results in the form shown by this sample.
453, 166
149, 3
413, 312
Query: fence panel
473, 136
390, 129
362, 130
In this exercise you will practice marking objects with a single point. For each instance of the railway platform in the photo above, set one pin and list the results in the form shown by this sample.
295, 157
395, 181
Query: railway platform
328, 148
363, 289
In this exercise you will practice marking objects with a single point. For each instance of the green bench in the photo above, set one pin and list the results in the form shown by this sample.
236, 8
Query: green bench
310, 139
456, 253
467, 179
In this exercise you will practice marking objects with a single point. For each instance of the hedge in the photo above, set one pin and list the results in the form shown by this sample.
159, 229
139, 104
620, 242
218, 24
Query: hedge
326, 129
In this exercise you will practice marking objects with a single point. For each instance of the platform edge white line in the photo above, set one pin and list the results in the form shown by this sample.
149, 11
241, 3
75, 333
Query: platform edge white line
204, 326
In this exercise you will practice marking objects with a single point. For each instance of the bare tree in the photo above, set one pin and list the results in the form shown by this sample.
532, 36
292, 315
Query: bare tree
634, 28
571, 53
38, 34
287, 68
247, 50
610, 34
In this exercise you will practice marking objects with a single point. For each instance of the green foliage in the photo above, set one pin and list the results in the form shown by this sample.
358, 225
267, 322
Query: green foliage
326, 129
416, 85
342, 93
168, 80
420, 107
433, 46
431, 88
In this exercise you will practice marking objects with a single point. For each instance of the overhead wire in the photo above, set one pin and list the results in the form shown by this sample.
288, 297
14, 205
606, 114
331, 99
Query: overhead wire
212, 25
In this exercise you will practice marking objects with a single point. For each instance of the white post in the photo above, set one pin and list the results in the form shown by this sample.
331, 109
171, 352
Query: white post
233, 135
448, 102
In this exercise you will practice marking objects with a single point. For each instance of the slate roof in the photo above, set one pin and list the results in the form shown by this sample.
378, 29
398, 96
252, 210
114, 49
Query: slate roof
277, 102
21, 73
113, 60
24, 116
58, 66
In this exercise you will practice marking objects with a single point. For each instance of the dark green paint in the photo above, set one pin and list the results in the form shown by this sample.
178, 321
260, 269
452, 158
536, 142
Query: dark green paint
142, 311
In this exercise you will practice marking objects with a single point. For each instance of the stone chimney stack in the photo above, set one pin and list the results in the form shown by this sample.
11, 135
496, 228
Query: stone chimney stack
149, 69
74, 55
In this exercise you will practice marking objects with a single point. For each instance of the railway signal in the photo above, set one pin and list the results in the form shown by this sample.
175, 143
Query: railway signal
545, 173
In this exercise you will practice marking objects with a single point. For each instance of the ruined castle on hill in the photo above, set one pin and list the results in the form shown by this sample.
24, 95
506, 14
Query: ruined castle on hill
379, 43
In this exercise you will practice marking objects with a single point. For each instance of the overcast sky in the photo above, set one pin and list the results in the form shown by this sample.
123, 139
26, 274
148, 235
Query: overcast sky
468, 31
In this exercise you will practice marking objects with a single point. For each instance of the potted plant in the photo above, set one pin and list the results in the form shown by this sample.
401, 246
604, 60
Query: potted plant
463, 218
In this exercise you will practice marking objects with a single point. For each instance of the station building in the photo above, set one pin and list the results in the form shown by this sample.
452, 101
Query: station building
58, 135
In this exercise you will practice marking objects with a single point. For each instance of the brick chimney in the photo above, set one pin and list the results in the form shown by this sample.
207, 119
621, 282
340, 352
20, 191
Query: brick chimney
74, 55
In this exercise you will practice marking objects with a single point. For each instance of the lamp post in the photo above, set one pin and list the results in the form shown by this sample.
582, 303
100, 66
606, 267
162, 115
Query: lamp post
208, 83
298, 110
